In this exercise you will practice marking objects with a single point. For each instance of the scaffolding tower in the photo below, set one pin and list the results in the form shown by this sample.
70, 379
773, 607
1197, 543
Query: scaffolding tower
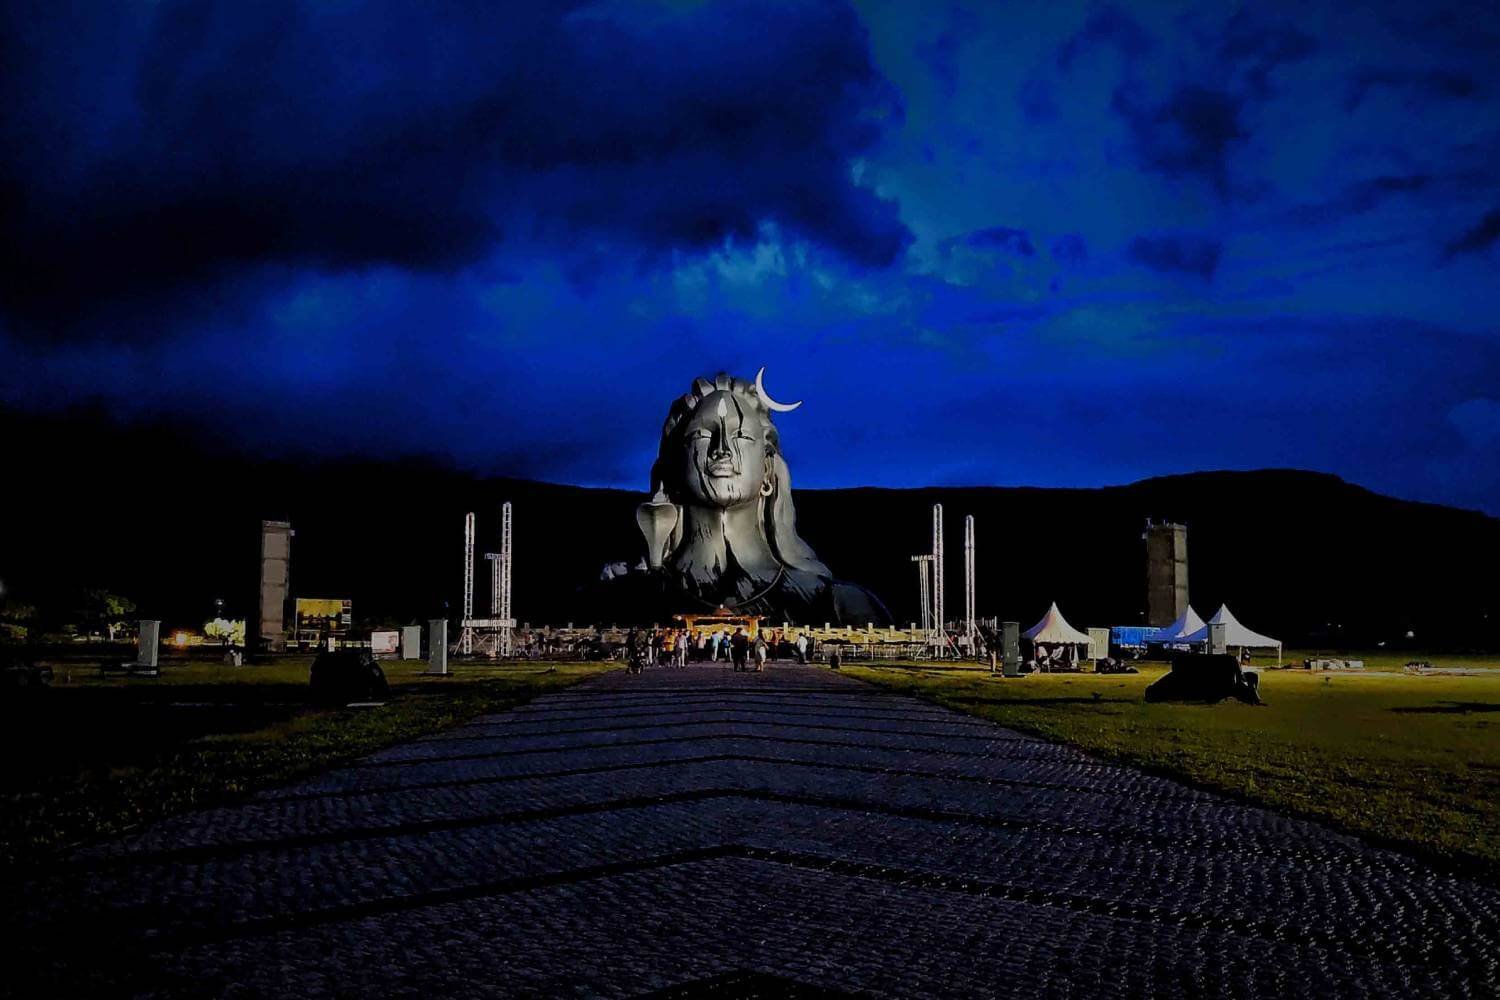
939, 619
490, 636
502, 608
969, 621
924, 565
466, 636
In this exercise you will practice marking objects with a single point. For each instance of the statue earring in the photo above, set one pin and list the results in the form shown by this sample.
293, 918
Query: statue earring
767, 487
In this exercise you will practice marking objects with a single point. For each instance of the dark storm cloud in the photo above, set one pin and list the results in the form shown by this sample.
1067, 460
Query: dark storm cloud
1481, 237
1426, 83
1358, 198
502, 234
1180, 253
1464, 26
1109, 26
152, 147
1188, 134
1016, 241
1191, 127
941, 54
1255, 48
1070, 248
1036, 100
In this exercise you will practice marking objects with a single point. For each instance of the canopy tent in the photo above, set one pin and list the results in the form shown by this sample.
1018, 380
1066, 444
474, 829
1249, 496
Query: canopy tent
1186, 624
1054, 629
1235, 634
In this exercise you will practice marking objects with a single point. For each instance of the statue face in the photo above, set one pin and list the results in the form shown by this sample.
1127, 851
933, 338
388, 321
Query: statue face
725, 448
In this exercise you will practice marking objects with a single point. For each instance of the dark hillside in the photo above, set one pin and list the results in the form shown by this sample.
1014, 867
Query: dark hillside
162, 520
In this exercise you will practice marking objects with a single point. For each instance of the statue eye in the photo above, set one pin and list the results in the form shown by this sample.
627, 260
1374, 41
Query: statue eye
742, 436
701, 434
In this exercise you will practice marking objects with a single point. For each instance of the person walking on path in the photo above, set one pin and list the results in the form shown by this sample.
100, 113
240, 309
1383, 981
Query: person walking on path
761, 649
633, 664
739, 647
802, 648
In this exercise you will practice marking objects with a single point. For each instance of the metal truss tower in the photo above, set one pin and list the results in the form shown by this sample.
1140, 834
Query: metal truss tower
503, 587
466, 637
939, 619
923, 568
969, 577
493, 558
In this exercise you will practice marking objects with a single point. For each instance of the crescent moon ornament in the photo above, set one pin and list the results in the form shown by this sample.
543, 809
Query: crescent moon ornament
765, 397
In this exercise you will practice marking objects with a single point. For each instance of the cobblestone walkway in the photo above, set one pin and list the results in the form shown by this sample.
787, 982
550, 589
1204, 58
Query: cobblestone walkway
793, 832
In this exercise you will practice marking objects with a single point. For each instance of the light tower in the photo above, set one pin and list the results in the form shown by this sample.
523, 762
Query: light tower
504, 580
939, 621
466, 637
923, 565
491, 645
969, 578
493, 558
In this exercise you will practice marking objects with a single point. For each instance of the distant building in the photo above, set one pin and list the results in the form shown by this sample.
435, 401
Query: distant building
1166, 573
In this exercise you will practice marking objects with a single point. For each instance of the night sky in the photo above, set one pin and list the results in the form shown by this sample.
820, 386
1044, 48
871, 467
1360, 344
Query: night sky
1025, 243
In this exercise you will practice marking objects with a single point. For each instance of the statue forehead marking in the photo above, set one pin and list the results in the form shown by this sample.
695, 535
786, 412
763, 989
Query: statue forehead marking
726, 408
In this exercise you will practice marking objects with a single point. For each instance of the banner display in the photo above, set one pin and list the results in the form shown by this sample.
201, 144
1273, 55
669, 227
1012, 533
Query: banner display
385, 645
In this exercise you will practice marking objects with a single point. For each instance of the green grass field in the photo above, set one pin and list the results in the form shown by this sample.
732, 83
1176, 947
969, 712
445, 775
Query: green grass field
1408, 760
93, 757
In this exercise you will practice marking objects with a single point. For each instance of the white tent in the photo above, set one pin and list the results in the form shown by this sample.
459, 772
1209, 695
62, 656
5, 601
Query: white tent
1054, 629
1235, 634
1186, 624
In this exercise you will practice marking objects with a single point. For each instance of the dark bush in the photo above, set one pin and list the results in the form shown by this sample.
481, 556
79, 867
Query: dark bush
346, 675
1204, 677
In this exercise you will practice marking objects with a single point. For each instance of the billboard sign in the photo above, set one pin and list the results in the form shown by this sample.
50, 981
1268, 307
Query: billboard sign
321, 617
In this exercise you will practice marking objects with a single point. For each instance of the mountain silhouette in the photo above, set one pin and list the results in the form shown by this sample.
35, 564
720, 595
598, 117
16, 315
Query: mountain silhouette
155, 514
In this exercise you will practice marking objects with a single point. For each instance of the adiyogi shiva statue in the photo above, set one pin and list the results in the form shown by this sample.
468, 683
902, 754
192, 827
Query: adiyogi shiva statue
720, 527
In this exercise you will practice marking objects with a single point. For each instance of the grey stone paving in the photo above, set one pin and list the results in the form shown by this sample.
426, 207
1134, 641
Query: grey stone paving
664, 832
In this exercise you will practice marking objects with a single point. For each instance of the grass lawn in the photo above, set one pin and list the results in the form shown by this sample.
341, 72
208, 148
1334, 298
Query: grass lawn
93, 757
1408, 760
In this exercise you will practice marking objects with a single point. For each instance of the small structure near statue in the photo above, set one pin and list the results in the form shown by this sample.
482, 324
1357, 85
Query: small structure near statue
437, 647
147, 653
1204, 677
411, 642
147, 647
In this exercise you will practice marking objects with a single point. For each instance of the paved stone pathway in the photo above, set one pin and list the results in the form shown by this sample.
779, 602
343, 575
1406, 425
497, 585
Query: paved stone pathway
791, 833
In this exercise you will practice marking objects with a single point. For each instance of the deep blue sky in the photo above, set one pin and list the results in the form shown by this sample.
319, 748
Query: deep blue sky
1022, 243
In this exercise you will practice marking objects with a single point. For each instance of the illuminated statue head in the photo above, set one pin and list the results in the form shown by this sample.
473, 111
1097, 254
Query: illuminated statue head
720, 528
720, 452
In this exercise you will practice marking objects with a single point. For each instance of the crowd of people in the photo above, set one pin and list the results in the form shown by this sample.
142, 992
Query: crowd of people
677, 647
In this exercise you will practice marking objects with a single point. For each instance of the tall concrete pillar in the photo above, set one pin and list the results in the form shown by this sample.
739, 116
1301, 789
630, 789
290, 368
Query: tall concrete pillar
1166, 573
275, 584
